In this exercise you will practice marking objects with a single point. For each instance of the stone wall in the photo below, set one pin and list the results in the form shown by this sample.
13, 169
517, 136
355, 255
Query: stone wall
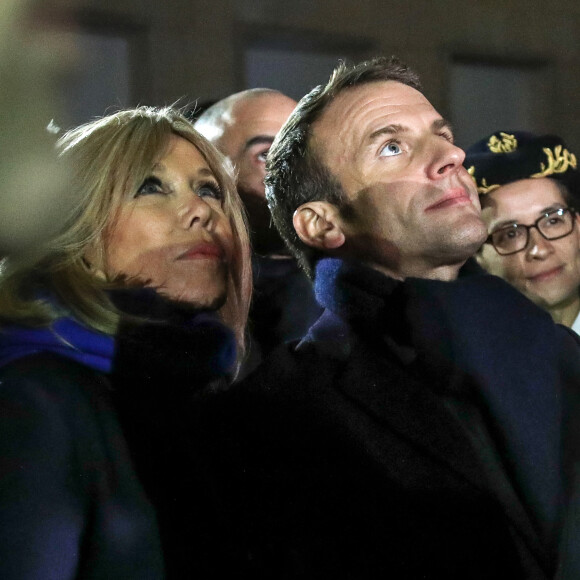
193, 49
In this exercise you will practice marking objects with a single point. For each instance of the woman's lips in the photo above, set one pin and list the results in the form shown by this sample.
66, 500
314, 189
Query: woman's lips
206, 250
547, 275
453, 197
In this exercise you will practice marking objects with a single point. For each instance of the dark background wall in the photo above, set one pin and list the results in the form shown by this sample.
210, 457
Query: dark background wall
486, 64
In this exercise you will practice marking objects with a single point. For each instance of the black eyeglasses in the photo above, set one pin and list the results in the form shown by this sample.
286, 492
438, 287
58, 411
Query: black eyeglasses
553, 225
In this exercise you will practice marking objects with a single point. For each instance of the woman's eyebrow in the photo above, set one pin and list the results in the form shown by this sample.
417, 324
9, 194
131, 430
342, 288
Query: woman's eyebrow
205, 172
509, 222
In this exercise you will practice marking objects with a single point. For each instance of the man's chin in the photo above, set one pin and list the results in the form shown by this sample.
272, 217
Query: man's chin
462, 241
472, 232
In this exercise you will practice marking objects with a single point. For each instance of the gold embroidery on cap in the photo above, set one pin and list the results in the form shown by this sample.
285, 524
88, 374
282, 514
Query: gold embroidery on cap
506, 144
484, 188
559, 161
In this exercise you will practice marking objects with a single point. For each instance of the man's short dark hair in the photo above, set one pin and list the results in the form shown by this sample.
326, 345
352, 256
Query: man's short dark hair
295, 172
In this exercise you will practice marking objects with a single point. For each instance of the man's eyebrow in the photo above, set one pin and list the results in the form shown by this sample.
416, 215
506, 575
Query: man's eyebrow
442, 124
259, 140
387, 130
397, 129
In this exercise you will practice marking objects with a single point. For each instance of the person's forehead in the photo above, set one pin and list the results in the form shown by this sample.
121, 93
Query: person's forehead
521, 201
358, 112
268, 111
261, 115
181, 151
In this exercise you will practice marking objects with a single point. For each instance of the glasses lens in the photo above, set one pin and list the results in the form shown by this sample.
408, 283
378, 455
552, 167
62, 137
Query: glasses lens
510, 239
556, 224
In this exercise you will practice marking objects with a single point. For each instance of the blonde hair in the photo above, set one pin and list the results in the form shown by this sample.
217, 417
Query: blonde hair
110, 156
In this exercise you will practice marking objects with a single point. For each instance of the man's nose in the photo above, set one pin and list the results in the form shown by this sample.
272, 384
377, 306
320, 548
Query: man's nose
447, 158
538, 246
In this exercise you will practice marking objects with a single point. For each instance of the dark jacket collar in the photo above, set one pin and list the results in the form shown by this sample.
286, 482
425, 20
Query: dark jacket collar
475, 339
355, 292
160, 340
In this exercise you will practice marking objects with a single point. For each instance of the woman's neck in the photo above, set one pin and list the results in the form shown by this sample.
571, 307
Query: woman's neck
566, 312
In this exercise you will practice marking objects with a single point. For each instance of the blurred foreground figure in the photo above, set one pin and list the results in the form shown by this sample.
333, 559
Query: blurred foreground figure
34, 54
529, 188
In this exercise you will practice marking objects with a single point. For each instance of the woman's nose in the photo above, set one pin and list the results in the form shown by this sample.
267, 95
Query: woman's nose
538, 246
195, 210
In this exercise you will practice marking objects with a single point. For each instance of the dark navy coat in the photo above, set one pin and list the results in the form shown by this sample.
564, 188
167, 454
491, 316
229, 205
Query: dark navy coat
416, 432
71, 504
98, 476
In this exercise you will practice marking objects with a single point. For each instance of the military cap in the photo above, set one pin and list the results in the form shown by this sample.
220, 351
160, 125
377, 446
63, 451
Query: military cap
507, 156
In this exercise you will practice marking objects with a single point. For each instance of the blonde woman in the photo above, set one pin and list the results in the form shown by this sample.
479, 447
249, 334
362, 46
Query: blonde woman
157, 232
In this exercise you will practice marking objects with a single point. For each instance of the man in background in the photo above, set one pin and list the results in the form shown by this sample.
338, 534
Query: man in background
243, 126
36, 53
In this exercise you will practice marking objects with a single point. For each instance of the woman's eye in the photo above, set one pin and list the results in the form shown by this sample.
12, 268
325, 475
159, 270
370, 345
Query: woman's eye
150, 186
210, 190
391, 149
506, 235
556, 218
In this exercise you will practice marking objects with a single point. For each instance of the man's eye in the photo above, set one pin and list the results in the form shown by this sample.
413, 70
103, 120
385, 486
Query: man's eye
262, 155
391, 149
210, 189
150, 186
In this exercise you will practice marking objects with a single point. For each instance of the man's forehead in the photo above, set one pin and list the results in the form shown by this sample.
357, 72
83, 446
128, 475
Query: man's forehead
357, 113
264, 107
379, 96
260, 115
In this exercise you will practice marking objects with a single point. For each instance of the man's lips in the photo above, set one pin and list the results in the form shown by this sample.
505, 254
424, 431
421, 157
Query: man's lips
455, 196
206, 250
547, 275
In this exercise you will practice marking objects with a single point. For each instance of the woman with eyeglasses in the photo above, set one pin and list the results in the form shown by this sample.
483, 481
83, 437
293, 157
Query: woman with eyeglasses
106, 333
529, 187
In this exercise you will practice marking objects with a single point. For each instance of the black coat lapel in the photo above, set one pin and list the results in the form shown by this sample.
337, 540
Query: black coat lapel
392, 395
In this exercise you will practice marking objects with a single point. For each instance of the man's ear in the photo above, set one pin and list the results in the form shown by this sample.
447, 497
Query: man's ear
318, 224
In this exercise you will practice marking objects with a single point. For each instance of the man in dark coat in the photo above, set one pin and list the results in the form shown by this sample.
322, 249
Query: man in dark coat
417, 430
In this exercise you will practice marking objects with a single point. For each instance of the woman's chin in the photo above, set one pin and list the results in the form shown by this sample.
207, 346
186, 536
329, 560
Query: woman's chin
196, 300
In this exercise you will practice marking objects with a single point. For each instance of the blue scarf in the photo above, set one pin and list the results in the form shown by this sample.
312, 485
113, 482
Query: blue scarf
64, 337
